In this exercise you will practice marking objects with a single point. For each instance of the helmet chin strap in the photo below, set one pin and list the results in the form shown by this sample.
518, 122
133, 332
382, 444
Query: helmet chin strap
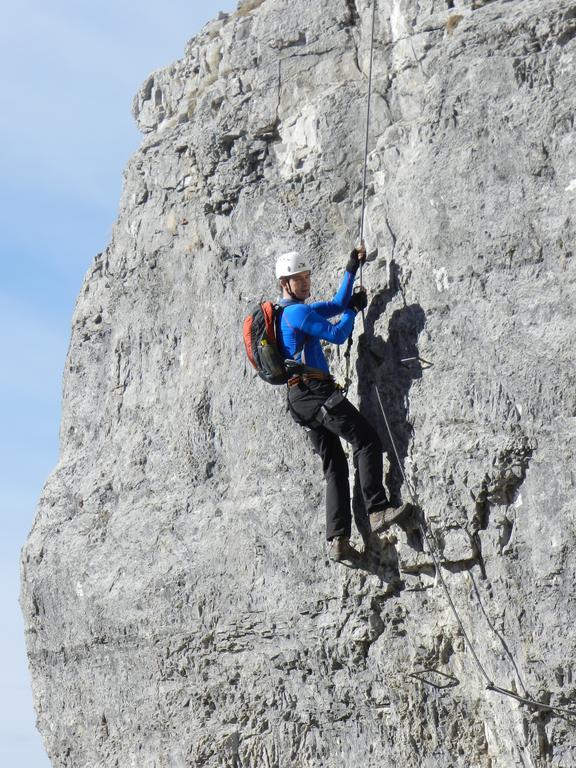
289, 289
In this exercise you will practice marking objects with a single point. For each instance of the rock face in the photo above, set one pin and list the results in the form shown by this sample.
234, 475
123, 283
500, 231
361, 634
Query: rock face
180, 608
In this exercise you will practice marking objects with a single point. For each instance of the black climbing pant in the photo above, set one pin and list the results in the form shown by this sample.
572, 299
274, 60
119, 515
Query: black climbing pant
319, 406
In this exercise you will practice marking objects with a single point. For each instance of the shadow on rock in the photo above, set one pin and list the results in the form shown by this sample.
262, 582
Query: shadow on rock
391, 364
381, 559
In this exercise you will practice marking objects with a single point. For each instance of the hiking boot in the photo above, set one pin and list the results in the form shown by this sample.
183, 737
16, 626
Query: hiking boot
341, 549
384, 518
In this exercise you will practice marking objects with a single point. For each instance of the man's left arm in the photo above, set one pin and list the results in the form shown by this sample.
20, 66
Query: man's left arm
344, 293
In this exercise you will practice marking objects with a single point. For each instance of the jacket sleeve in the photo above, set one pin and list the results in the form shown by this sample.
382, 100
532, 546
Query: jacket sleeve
305, 318
340, 300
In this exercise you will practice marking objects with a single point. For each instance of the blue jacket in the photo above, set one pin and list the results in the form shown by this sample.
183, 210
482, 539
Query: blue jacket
303, 325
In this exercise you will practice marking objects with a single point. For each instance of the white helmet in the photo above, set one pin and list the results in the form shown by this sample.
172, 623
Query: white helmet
291, 264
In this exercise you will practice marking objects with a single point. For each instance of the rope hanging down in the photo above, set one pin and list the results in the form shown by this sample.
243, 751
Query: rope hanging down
367, 136
427, 536
347, 378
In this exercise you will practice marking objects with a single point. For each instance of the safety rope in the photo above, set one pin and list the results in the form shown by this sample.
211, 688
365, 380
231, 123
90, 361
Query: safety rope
428, 537
367, 136
347, 377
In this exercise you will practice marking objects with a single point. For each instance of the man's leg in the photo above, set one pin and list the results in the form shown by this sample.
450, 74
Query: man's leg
359, 507
335, 467
345, 421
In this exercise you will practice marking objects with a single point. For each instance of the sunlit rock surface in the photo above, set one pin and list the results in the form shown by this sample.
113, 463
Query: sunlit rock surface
180, 608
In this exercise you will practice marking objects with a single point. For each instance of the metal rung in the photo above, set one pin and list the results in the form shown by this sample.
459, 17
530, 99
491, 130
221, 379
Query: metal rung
420, 676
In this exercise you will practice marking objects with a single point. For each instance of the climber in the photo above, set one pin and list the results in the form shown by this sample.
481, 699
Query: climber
317, 403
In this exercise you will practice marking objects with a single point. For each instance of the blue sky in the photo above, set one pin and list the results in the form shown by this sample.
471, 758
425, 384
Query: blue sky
70, 69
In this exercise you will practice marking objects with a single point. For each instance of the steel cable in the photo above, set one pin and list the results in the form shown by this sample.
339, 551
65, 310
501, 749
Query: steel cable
366, 145
428, 537
367, 136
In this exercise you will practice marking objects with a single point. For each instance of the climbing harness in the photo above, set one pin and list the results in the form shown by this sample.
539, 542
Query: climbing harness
428, 537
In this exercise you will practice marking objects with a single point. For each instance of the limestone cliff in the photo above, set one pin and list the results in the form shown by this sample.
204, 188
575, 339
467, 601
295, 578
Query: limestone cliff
180, 609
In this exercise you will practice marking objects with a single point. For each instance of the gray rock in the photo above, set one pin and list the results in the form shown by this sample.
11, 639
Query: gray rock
180, 608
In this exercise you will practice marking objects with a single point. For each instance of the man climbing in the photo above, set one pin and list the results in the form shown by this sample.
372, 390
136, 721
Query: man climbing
317, 403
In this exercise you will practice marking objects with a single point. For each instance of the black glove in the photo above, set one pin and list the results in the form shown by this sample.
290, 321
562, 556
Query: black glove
358, 255
359, 301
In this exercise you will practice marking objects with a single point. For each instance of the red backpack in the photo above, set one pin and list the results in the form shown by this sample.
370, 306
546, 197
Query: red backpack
260, 340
